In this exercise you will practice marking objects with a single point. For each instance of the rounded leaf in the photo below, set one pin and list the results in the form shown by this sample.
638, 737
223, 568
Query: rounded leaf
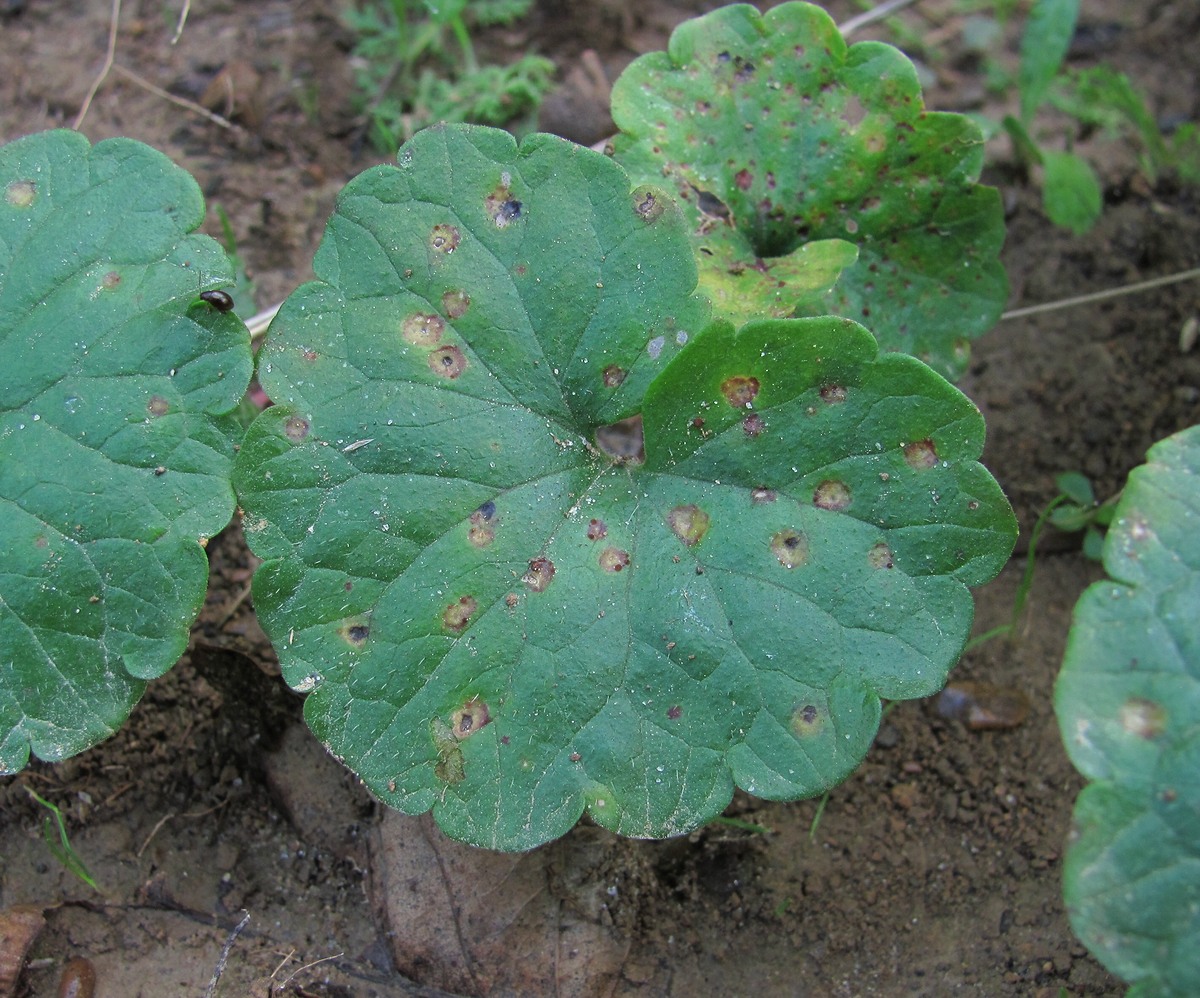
607, 558
114, 447
789, 150
1128, 704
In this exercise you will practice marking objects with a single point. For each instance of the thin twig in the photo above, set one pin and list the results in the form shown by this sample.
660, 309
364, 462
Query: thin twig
114, 19
154, 831
299, 970
166, 95
878, 13
183, 16
1095, 296
224, 958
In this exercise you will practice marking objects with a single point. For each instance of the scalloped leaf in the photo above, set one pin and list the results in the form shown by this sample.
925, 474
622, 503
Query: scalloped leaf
789, 150
539, 539
1128, 704
115, 441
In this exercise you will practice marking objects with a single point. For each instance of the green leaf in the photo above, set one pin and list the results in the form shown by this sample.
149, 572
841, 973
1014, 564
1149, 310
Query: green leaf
789, 150
538, 538
1128, 704
1076, 487
114, 446
1044, 45
1070, 192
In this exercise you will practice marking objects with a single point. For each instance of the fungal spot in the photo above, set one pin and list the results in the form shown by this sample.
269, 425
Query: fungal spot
833, 394
689, 523
296, 429
540, 574
501, 206
309, 355
423, 329
613, 375
20, 193
760, 494
447, 362
444, 238
596, 530
744, 179
753, 425
222, 301
647, 205
614, 560
574, 757
880, 556
455, 303
449, 767
469, 718
481, 530
790, 548
740, 390
920, 455
354, 634
111, 280
623, 440
832, 495
982, 706
158, 406
1143, 718
807, 721
675, 712
457, 615
511, 600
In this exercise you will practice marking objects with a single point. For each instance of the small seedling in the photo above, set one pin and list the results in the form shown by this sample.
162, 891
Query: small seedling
58, 841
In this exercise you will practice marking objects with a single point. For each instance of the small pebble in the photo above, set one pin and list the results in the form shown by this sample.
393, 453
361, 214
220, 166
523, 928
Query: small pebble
983, 707
78, 979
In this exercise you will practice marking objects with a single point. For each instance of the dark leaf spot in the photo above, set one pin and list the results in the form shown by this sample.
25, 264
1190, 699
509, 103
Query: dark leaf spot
447, 362
614, 559
790, 548
423, 329
457, 615
540, 574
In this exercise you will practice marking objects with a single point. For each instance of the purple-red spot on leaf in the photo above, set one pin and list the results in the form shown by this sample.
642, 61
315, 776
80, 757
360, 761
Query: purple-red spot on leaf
158, 406
832, 495
833, 394
920, 455
596, 530
110, 280
457, 616
614, 559
689, 523
744, 179
740, 390
540, 574
447, 362
675, 712
753, 425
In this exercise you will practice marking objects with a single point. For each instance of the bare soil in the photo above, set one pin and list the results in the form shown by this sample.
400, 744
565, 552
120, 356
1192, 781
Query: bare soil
934, 870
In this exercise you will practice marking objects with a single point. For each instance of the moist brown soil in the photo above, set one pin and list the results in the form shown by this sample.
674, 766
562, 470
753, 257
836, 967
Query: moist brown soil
934, 870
